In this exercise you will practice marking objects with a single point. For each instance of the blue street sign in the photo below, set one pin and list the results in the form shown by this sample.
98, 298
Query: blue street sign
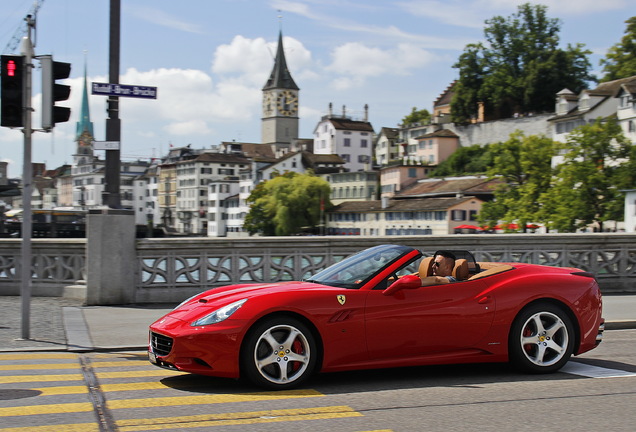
122, 90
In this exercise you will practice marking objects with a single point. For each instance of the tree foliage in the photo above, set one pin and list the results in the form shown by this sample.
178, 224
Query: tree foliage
587, 186
287, 204
519, 69
620, 60
524, 163
416, 116
474, 159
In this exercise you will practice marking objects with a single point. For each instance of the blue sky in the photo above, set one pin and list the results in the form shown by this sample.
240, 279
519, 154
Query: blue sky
211, 58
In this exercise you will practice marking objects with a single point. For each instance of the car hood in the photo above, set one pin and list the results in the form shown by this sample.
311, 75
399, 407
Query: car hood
215, 298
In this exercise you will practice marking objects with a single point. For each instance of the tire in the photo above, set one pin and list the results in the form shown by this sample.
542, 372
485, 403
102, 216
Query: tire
279, 353
541, 339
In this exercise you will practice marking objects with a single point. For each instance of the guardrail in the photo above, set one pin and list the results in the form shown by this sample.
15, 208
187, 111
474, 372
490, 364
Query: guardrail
171, 269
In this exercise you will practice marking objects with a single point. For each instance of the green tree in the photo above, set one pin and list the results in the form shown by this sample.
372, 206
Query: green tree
587, 186
287, 204
519, 69
524, 163
620, 60
416, 116
474, 159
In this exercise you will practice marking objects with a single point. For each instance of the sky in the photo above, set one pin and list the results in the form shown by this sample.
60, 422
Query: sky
209, 60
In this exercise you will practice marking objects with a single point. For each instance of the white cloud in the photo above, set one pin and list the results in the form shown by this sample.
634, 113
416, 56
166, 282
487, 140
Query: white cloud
161, 18
355, 62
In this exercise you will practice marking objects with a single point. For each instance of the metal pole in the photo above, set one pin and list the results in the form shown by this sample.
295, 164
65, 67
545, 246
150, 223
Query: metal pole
27, 187
113, 124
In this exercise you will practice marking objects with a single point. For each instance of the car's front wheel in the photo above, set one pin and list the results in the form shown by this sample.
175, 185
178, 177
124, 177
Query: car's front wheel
541, 339
279, 353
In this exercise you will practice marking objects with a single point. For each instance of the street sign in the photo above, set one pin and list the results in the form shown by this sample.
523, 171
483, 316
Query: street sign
122, 90
106, 145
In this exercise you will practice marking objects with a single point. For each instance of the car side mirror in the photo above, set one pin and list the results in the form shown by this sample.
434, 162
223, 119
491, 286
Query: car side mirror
405, 282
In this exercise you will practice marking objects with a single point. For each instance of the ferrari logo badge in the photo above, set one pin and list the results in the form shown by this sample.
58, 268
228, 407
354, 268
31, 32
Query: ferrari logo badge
342, 299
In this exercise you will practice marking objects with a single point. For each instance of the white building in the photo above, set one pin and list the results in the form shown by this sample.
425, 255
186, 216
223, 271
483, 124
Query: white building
192, 179
350, 139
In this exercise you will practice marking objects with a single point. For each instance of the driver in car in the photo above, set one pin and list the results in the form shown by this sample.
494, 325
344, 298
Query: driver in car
443, 264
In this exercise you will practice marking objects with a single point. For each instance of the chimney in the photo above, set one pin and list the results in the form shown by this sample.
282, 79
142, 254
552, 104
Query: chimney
330, 109
344, 111
366, 112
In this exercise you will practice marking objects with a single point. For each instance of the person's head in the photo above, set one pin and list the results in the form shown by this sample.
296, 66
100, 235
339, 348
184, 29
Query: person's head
443, 263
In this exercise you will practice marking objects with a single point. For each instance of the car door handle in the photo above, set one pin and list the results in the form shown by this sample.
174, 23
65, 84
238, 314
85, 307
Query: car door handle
484, 300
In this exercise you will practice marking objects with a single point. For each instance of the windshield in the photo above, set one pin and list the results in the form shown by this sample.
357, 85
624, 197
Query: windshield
357, 269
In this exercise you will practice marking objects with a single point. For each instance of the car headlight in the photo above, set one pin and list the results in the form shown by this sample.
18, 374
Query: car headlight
219, 315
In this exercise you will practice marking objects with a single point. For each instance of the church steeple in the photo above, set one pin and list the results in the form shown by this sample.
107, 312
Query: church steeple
280, 78
84, 132
279, 124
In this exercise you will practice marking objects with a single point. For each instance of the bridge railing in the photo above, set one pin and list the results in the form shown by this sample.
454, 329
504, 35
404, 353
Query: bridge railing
170, 270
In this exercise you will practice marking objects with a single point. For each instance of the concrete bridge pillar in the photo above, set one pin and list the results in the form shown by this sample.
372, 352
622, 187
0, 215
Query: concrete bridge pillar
111, 257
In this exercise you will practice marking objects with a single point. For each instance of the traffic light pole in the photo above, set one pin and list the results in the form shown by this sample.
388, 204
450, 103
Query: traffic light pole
27, 186
111, 196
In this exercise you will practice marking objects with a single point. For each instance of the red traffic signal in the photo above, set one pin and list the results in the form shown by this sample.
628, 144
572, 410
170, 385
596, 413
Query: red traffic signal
12, 104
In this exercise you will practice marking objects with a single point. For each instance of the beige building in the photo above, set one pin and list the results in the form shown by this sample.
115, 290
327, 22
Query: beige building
394, 178
435, 147
436, 216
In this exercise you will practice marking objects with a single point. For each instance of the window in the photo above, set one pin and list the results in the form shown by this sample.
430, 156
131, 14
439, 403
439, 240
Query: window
363, 143
347, 142
458, 215
631, 127
412, 172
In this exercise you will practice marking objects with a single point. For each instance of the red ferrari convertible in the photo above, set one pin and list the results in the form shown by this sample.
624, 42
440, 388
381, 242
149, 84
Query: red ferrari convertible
369, 311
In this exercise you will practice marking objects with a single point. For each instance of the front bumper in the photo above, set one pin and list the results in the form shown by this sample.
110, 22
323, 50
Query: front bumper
212, 350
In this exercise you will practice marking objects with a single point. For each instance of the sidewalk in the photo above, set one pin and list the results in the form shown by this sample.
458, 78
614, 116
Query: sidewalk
59, 324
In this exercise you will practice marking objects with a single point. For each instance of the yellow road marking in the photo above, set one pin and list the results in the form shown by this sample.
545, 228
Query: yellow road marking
78, 427
158, 402
40, 366
136, 374
209, 399
124, 363
120, 364
46, 409
61, 390
239, 418
42, 356
40, 378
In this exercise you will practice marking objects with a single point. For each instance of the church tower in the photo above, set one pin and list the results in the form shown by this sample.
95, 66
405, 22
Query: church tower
279, 123
84, 133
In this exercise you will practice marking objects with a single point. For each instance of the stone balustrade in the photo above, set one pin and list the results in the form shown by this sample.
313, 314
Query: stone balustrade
169, 270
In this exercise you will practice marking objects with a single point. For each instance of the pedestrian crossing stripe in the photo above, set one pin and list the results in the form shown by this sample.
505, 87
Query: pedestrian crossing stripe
40, 378
39, 356
159, 402
238, 418
77, 427
590, 371
74, 365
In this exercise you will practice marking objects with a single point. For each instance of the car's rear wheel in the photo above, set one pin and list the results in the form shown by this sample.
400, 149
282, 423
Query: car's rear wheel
279, 353
541, 339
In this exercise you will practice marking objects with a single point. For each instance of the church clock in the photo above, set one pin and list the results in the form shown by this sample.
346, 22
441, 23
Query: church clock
287, 103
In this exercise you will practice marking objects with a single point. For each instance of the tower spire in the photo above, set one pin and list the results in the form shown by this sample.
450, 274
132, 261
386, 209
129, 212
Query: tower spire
280, 78
84, 132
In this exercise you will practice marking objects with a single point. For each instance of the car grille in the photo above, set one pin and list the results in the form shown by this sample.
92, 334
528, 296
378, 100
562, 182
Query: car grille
161, 345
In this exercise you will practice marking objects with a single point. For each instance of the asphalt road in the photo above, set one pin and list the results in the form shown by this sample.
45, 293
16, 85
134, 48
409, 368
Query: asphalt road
121, 391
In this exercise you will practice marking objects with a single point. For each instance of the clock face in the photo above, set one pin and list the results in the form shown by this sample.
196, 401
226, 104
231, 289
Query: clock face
268, 104
287, 103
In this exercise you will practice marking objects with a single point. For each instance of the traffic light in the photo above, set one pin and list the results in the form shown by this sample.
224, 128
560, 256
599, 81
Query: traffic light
12, 105
53, 92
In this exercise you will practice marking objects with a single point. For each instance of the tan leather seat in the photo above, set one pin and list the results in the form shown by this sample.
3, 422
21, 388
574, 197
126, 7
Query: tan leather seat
426, 267
460, 271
